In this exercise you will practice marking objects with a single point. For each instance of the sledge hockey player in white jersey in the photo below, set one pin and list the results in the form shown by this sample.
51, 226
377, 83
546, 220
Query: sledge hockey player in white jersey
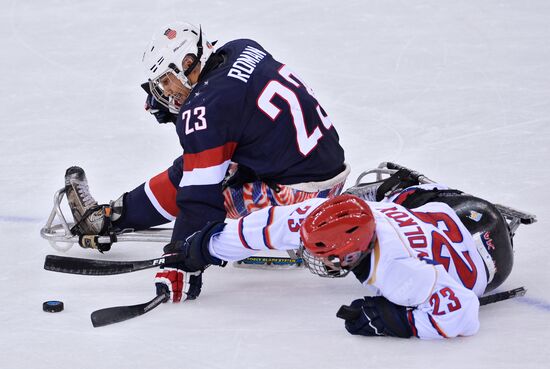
425, 252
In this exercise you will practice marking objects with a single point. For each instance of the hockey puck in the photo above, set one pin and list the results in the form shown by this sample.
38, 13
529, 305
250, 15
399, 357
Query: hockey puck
52, 306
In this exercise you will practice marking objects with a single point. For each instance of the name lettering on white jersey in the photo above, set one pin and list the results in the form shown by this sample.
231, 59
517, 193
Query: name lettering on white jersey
245, 64
414, 233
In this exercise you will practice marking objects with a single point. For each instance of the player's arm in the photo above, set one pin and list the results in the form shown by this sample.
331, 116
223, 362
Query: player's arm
451, 310
209, 147
418, 299
272, 228
210, 128
199, 197
216, 243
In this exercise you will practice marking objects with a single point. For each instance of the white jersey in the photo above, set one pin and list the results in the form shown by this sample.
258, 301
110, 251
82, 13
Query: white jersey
423, 258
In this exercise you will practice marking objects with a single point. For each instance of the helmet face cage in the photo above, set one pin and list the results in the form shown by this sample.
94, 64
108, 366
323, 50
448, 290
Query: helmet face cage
157, 90
318, 266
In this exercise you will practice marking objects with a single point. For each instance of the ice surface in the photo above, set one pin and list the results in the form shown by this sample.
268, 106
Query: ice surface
458, 90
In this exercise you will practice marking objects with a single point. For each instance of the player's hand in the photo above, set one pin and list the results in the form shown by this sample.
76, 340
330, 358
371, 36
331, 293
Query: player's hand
161, 113
181, 275
193, 253
239, 177
377, 316
179, 285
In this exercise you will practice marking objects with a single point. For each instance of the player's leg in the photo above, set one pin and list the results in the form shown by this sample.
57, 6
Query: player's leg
89, 216
242, 199
150, 204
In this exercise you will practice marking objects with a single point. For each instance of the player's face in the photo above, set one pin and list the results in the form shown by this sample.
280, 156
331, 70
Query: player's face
172, 87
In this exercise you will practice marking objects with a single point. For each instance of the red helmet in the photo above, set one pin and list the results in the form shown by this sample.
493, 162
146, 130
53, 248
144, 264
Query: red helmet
342, 227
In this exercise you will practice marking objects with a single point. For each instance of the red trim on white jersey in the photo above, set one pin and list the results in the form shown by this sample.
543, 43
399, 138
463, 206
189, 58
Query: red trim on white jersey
436, 327
269, 223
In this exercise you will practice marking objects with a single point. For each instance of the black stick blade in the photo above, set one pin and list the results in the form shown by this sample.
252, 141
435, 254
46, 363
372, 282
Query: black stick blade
66, 264
118, 314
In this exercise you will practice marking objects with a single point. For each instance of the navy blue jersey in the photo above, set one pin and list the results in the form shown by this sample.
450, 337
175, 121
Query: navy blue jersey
252, 110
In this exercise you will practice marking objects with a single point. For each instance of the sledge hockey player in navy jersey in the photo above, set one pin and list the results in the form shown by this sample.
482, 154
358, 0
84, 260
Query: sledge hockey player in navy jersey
252, 131
425, 252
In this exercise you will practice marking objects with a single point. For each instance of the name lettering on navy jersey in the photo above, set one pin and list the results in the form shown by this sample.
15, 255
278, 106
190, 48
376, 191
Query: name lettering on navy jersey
245, 64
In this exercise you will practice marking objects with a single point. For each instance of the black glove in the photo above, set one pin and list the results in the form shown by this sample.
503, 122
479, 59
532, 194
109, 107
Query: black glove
241, 176
161, 113
376, 316
245, 175
194, 250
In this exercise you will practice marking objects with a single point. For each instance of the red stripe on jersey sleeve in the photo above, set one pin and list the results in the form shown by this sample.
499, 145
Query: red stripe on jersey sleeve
209, 158
267, 238
436, 327
241, 234
165, 192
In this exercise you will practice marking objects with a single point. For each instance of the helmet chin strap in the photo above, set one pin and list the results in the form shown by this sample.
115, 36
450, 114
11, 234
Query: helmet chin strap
199, 55
183, 76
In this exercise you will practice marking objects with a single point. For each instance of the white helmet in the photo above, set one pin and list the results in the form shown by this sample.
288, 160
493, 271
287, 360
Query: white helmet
165, 54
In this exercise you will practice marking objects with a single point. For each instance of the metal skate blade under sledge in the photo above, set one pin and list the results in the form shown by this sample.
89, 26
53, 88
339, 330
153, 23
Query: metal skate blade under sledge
515, 217
61, 238
386, 169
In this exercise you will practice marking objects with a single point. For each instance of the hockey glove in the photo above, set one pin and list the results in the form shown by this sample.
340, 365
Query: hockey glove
182, 279
178, 284
161, 113
194, 251
241, 176
376, 316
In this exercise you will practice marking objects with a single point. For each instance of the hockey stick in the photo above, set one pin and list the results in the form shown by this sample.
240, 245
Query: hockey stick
117, 314
348, 313
270, 260
66, 264
496, 297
